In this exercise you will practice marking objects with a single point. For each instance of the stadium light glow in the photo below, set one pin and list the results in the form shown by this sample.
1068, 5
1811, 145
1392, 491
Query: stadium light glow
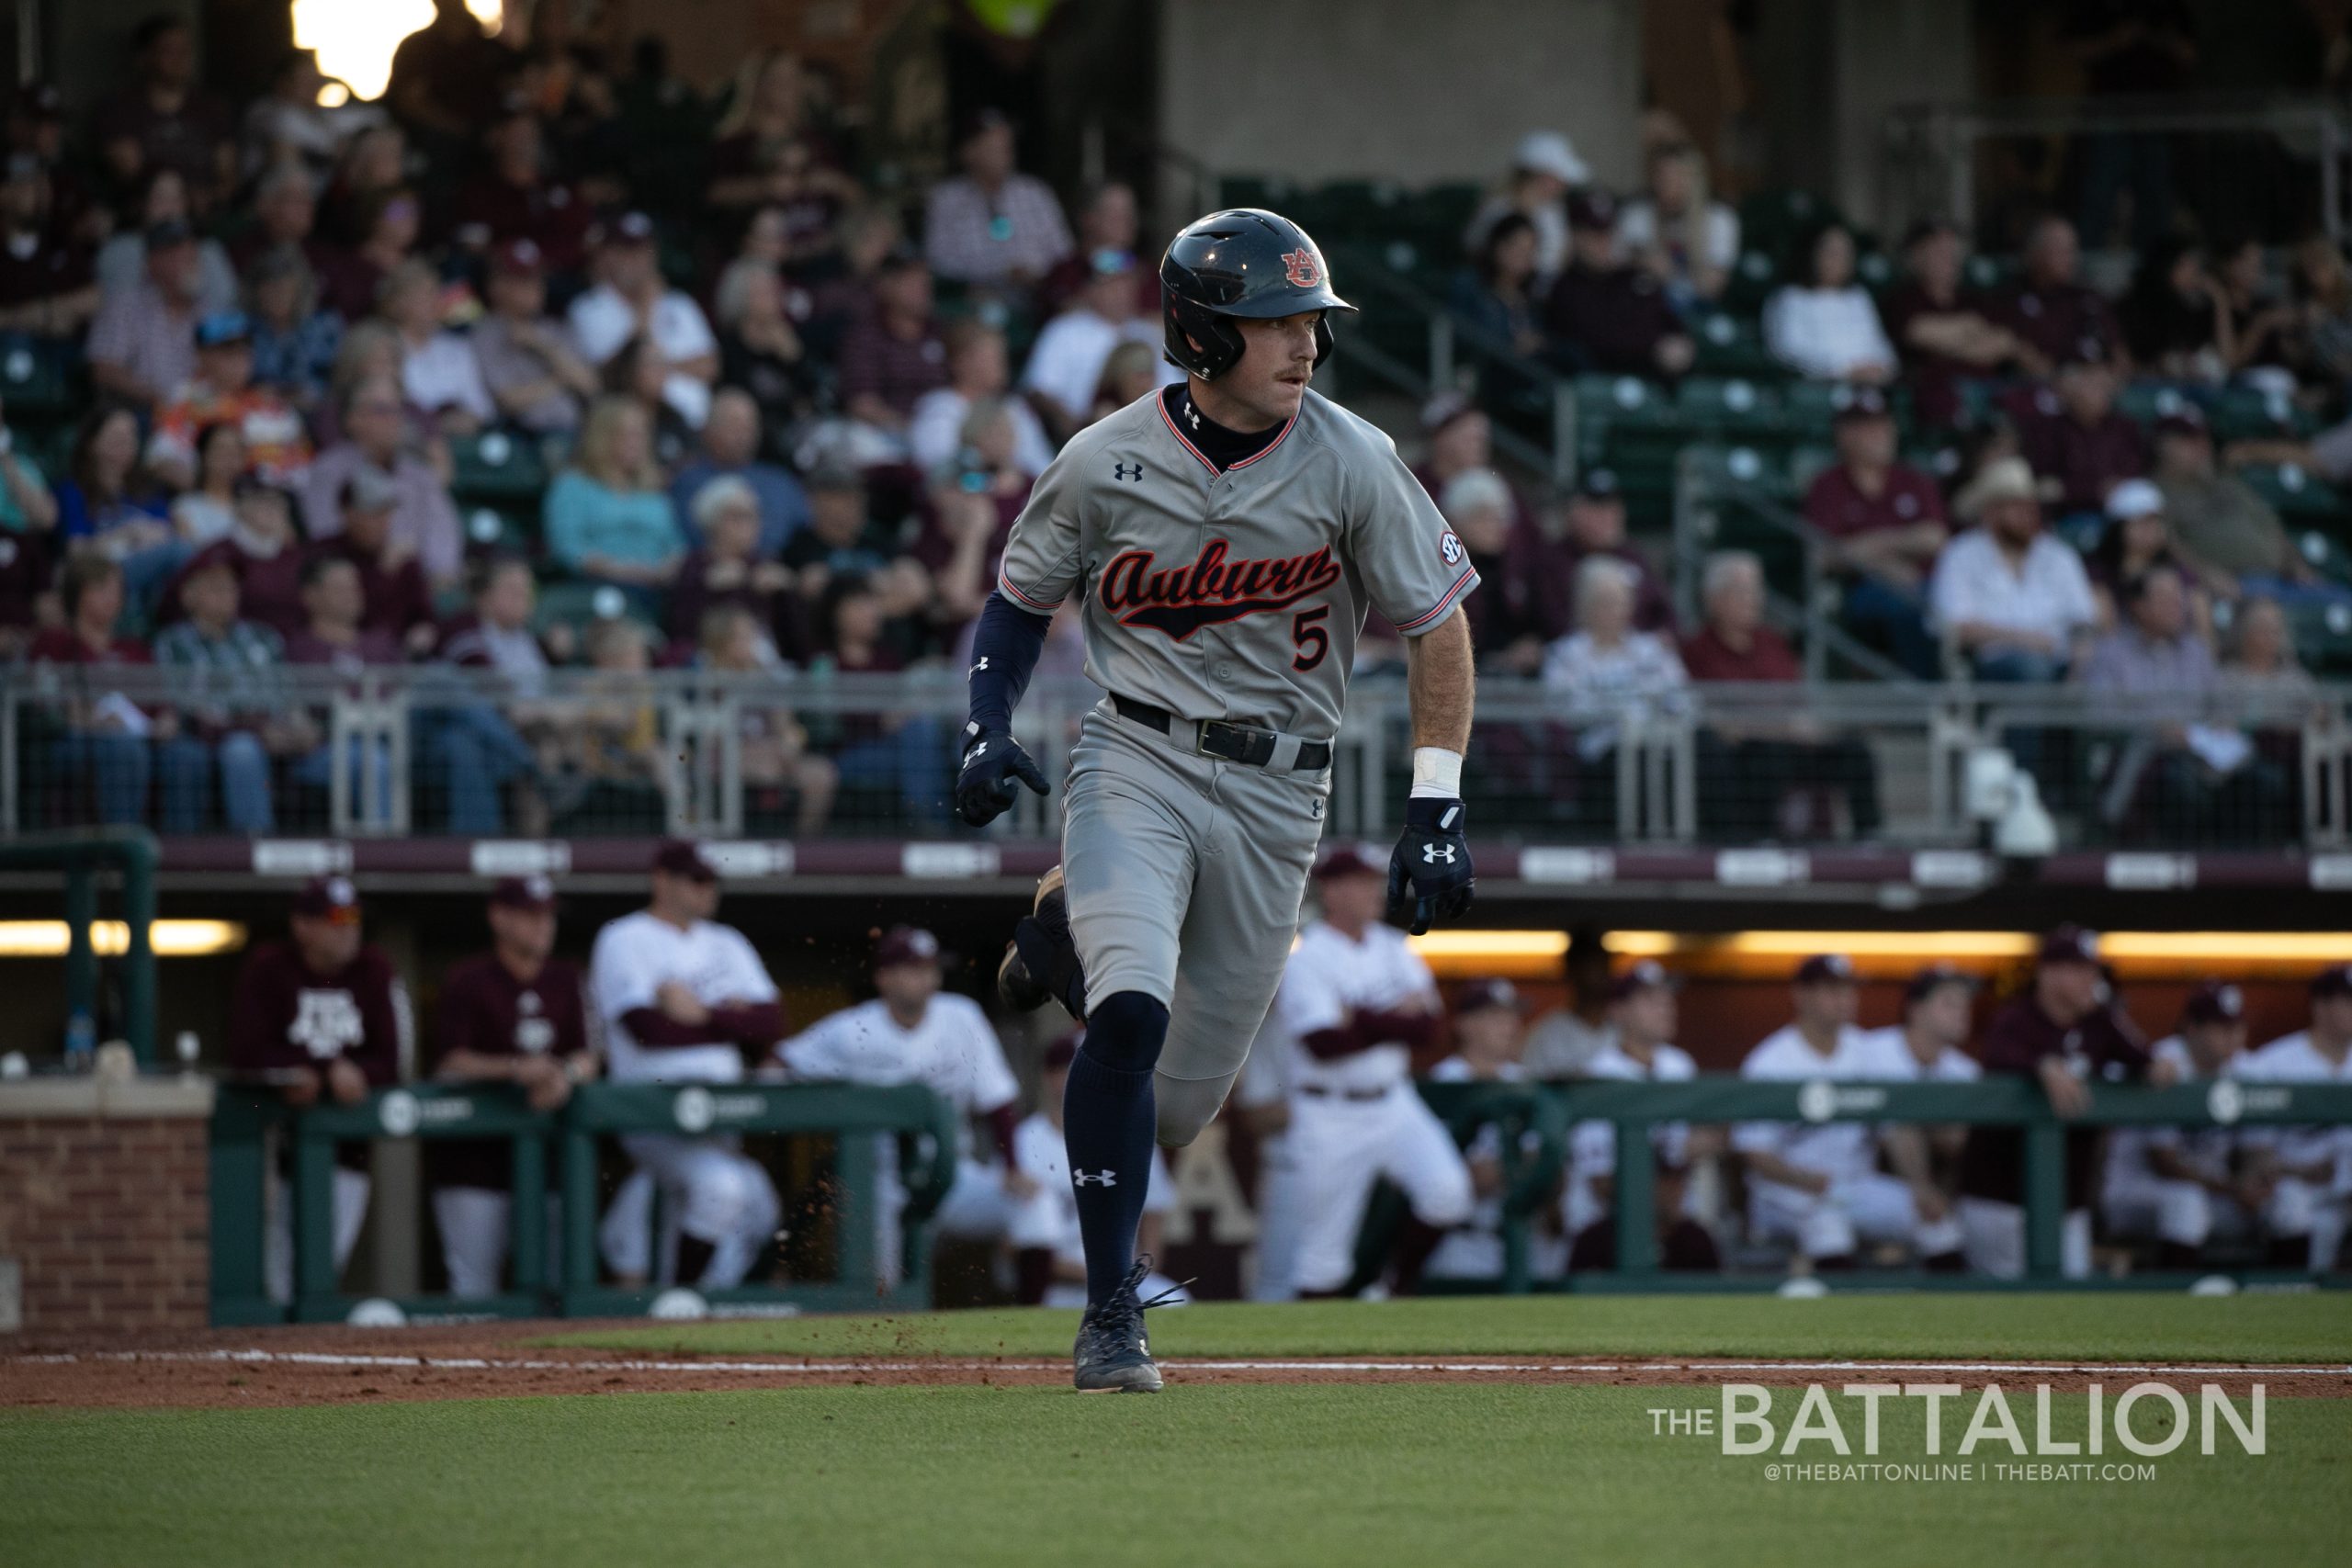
111, 939
1761, 954
355, 39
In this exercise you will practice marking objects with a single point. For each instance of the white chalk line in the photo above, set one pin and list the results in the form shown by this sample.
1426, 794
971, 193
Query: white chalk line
257, 1357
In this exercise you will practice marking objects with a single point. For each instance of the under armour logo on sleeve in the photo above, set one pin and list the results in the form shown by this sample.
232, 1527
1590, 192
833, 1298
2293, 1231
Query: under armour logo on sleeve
1096, 1178
1128, 472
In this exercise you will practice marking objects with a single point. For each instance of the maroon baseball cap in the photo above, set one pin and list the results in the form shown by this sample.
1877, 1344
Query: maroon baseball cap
1641, 974
906, 944
1346, 860
331, 899
1826, 969
2069, 944
1063, 1052
683, 857
533, 894
2336, 980
1479, 995
2214, 1001
1926, 982
518, 258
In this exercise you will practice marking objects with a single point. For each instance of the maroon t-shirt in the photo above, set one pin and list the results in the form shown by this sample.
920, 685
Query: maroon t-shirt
1555, 574
550, 214
283, 1015
1616, 317
1933, 378
271, 592
373, 646
484, 1009
2103, 1045
1707, 657
2056, 320
397, 598
897, 370
1836, 504
2085, 461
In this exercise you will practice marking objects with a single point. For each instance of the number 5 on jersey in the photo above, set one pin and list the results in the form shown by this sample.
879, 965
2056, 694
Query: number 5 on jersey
1312, 641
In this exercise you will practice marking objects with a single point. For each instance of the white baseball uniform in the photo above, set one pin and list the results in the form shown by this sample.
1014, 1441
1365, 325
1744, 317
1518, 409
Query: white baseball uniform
1592, 1145
2297, 1206
1475, 1251
1356, 1118
1048, 1217
2137, 1202
712, 1191
1861, 1204
1265, 1080
1895, 1056
953, 1050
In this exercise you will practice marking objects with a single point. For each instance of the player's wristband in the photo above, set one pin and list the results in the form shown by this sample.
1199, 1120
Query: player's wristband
1437, 773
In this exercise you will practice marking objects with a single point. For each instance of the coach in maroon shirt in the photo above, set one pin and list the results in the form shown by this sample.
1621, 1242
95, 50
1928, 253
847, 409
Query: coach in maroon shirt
322, 1012
1885, 524
2063, 1031
515, 1015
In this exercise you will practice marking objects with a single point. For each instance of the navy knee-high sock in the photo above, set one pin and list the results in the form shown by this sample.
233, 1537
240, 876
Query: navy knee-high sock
1108, 1122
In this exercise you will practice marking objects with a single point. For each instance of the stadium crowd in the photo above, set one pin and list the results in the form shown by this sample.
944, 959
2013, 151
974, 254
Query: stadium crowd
543, 362
672, 995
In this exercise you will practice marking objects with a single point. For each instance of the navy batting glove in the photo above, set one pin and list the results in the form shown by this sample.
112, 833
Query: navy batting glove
1430, 876
994, 768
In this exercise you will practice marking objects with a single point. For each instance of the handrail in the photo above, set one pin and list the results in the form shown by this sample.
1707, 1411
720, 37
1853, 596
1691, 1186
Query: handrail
79, 853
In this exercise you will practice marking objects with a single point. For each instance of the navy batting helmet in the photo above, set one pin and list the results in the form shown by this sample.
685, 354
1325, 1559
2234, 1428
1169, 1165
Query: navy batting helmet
1242, 262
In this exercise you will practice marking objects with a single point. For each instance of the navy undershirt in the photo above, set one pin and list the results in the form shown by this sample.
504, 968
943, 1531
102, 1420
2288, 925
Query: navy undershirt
1219, 446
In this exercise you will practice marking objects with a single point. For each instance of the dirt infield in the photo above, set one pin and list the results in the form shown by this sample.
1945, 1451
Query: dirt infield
336, 1365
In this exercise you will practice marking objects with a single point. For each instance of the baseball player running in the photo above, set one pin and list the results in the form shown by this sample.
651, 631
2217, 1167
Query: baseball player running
683, 999
1357, 1002
2175, 1183
1820, 1186
2307, 1171
1226, 537
912, 1032
516, 1015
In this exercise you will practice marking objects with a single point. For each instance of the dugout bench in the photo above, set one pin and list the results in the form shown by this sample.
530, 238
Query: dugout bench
558, 1152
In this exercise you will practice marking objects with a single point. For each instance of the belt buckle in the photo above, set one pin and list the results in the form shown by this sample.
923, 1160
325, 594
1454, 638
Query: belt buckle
1243, 741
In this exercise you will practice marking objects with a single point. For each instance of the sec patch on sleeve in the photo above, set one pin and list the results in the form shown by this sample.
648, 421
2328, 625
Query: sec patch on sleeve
1449, 545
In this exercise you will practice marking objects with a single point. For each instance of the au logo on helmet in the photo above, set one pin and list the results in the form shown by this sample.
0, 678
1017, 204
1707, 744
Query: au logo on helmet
1302, 267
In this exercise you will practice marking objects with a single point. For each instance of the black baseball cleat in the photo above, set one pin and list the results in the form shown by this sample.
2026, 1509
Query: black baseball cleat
1111, 1355
1041, 963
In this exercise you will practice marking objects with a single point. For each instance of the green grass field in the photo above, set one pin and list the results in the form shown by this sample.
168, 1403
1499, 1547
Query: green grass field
1226, 1475
2310, 1328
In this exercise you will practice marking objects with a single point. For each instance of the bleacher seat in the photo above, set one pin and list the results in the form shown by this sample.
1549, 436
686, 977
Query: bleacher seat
2300, 495
2323, 636
1734, 345
1733, 406
496, 466
578, 604
41, 378
2326, 555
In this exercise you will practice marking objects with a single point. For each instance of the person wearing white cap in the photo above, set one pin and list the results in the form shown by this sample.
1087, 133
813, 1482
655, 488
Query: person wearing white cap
2011, 598
2139, 535
1543, 170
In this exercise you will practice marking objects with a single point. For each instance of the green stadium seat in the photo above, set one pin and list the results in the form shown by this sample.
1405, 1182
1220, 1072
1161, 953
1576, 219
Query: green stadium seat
1733, 405
1733, 346
497, 467
1753, 278
578, 604
1255, 190
2148, 403
2299, 494
2244, 413
2326, 555
2323, 636
40, 378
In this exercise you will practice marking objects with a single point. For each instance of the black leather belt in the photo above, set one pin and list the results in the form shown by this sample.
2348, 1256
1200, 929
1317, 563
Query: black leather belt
1234, 742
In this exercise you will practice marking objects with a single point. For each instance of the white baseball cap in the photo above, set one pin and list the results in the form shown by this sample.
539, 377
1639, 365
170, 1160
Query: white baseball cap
1549, 153
2133, 498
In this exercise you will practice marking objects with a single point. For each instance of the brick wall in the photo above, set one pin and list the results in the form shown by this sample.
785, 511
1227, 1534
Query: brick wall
103, 1205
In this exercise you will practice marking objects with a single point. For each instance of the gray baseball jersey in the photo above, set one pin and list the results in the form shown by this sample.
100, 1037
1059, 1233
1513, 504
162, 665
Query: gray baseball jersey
1239, 595
1236, 596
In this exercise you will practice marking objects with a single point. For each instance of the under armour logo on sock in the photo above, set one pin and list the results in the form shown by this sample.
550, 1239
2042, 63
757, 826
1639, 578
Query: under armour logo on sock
1432, 854
981, 665
1098, 1177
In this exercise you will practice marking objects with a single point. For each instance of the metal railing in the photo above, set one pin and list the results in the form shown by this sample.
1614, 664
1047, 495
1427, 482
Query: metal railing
131, 853
735, 756
557, 1154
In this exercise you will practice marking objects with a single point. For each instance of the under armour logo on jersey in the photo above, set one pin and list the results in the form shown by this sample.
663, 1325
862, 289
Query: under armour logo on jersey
1449, 545
1432, 854
1097, 1178
1128, 472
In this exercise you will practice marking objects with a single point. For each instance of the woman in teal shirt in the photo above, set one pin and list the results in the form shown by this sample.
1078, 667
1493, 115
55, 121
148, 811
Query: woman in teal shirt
607, 516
